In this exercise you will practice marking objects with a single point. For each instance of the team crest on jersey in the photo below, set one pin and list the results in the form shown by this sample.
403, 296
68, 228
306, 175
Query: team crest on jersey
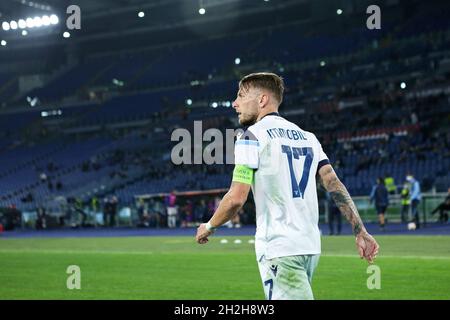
247, 135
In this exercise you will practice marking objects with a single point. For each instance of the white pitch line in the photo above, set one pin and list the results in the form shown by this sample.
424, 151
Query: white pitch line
386, 256
74, 251
162, 252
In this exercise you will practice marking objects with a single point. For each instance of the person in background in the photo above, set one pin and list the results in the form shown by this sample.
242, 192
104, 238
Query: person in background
106, 211
41, 222
389, 182
200, 211
333, 214
415, 198
187, 218
113, 212
70, 212
43, 177
94, 204
172, 210
405, 203
154, 216
211, 209
380, 196
142, 211
443, 208
159, 209
79, 207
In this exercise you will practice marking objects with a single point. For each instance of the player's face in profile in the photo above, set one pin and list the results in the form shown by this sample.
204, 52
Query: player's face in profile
246, 105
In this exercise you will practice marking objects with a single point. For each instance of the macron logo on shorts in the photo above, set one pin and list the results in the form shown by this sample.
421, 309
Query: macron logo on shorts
274, 269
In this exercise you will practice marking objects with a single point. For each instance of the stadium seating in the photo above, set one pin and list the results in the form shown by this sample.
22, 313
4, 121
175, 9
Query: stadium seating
344, 89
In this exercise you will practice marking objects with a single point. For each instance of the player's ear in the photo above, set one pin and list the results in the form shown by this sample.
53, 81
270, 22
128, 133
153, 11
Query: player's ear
263, 100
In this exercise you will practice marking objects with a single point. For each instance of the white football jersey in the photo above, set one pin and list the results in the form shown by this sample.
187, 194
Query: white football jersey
286, 159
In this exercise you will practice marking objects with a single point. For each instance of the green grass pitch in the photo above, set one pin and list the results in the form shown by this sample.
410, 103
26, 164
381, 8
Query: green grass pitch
412, 267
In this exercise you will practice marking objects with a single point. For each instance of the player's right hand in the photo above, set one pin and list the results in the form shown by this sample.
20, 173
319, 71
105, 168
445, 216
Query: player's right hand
202, 234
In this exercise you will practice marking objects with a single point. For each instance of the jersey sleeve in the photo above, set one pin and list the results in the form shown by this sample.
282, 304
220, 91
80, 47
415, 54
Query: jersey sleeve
246, 150
323, 158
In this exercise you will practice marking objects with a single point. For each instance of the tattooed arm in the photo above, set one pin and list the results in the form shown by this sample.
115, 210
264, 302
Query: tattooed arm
330, 181
366, 244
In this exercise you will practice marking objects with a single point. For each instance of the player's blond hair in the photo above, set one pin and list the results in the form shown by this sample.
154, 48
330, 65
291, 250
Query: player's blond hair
265, 80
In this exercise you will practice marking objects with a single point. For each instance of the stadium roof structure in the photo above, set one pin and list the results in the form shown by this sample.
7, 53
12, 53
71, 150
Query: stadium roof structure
111, 19
163, 20
116, 26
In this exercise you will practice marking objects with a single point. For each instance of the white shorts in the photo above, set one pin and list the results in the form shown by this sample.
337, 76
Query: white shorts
288, 278
172, 211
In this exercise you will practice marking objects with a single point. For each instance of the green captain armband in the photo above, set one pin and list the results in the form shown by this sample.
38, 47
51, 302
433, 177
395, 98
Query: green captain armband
243, 174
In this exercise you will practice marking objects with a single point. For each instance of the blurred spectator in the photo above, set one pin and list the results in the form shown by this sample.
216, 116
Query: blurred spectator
200, 211
334, 214
94, 163
379, 195
389, 183
41, 221
154, 216
211, 209
28, 198
43, 177
443, 208
159, 209
405, 201
415, 198
80, 209
74, 207
113, 212
414, 118
142, 210
70, 211
94, 204
187, 214
106, 212
172, 210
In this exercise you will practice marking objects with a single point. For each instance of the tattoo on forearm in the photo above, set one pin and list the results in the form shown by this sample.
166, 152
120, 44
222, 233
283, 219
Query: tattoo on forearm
346, 205
342, 199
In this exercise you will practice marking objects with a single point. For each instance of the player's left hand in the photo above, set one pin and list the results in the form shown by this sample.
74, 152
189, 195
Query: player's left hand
367, 246
202, 234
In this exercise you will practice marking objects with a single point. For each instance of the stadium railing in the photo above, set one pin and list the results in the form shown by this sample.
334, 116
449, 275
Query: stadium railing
428, 203
127, 214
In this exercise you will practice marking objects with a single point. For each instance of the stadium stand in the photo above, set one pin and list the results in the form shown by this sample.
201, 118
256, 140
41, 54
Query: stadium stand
379, 102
